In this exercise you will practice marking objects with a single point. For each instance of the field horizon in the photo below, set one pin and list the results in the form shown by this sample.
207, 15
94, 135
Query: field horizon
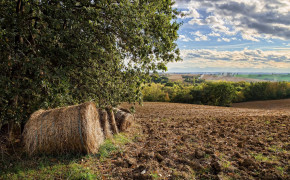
231, 76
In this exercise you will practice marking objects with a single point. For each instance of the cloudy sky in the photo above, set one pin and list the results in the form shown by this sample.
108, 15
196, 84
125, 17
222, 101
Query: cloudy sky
234, 36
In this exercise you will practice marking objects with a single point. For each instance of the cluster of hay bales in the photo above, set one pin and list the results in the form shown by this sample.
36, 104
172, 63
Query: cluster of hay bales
74, 129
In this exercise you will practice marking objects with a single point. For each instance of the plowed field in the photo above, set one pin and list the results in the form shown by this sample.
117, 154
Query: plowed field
182, 141
208, 77
283, 105
179, 141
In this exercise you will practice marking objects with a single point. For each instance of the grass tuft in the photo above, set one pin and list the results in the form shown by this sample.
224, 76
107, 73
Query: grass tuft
112, 145
261, 157
106, 149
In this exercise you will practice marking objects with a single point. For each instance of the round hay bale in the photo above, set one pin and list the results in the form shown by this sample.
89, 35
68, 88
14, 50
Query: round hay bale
72, 129
125, 110
112, 121
123, 119
105, 123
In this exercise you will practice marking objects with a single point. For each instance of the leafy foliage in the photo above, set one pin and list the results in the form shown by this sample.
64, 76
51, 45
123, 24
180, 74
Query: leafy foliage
157, 79
216, 93
266, 90
154, 92
55, 53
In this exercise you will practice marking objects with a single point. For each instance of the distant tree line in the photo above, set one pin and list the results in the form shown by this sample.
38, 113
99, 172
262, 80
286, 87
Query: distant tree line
216, 93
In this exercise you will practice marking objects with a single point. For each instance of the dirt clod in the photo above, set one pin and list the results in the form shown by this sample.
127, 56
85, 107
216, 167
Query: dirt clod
248, 163
216, 166
199, 153
237, 155
159, 157
240, 144
131, 161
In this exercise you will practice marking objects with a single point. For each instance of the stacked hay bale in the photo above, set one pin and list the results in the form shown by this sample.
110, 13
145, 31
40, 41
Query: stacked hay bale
106, 126
112, 121
74, 129
124, 119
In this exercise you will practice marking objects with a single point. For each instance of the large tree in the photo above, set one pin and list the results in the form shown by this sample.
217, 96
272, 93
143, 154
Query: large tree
55, 53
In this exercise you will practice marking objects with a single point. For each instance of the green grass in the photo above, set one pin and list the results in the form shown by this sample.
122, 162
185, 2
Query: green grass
154, 175
106, 149
57, 171
261, 157
46, 169
71, 166
207, 156
112, 145
281, 169
226, 164
277, 149
270, 77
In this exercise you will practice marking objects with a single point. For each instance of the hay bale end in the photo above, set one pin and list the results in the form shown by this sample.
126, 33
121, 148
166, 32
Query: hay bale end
72, 129
123, 118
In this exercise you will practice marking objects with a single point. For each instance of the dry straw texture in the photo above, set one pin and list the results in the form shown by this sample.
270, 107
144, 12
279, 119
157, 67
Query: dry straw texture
105, 123
123, 118
112, 121
74, 129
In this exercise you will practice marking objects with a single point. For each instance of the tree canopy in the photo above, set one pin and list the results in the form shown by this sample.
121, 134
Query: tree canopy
55, 53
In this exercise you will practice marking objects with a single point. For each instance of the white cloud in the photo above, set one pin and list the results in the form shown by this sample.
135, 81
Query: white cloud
226, 39
199, 36
249, 37
257, 59
196, 21
184, 38
223, 39
254, 20
197, 33
191, 13
202, 38
215, 34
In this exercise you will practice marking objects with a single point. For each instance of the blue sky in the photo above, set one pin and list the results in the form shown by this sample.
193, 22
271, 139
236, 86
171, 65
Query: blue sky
233, 36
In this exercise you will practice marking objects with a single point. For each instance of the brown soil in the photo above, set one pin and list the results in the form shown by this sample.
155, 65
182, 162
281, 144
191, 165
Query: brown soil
178, 77
208, 77
183, 141
283, 104
175, 77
